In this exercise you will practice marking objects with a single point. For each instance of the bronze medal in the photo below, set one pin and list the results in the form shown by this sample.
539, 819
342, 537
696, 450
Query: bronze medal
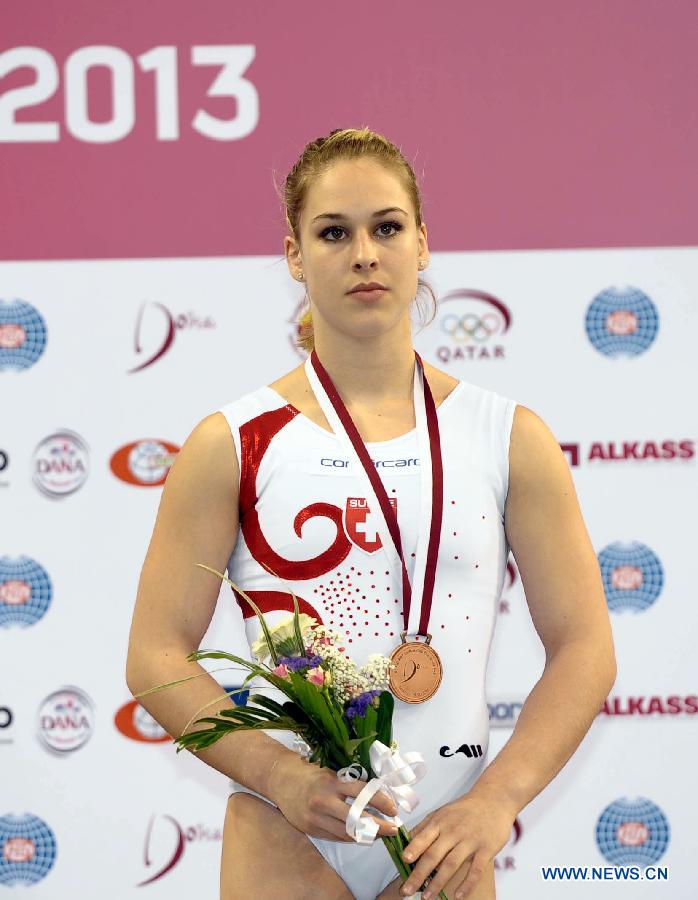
416, 668
416, 672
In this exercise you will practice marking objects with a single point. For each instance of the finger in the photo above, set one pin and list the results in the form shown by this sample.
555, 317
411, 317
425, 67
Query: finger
381, 800
335, 829
340, 810
428, 861
475, 873
446, 870
419, 843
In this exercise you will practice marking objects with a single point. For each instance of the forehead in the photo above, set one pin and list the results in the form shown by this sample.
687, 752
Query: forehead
355, 187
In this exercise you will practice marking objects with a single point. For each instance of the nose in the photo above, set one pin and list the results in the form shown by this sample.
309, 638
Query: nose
364, 250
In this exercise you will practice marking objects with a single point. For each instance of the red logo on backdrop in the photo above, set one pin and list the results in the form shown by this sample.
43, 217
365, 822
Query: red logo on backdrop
154, 337
601, 452
672, 705
361, 525
135, 722
145, 462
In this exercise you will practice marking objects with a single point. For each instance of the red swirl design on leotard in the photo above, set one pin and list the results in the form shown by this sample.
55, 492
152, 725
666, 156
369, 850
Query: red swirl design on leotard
272, 601
255, 437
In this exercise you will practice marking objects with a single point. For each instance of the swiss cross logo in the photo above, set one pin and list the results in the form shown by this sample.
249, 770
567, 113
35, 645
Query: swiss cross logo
361, 525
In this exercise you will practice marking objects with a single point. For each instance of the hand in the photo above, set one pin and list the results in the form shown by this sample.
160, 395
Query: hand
475, 825
312, 799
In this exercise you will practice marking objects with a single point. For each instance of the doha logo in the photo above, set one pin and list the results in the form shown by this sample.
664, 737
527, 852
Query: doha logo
632, 575
27, 849
632, 832
622, 321
25, 591
22, 335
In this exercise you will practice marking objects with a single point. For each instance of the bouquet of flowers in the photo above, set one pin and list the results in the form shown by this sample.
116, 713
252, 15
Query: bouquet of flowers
341, 714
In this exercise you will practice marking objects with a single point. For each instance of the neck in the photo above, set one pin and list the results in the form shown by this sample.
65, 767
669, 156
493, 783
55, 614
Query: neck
369, 370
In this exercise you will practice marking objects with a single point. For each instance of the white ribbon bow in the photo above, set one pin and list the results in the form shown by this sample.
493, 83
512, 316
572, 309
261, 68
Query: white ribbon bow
395, 773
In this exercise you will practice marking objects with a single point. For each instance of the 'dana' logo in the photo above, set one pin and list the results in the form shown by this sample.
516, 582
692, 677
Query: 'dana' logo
622, 321
632, 575
22, 335
632, 832
61, 464
66, 720
27, 849
145, 463
25, 591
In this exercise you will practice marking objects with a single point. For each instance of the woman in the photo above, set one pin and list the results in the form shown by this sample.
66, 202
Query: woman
282, 496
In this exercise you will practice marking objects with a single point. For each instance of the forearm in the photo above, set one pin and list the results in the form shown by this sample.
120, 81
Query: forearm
552, 723
248, 757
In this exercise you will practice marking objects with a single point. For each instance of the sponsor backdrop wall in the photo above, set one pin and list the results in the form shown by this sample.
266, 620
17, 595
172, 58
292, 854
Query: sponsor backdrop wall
142, 288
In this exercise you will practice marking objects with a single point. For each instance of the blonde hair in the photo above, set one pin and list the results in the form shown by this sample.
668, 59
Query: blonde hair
317, 156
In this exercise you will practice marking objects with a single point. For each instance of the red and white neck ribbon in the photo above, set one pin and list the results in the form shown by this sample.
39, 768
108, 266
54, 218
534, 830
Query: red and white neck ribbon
395, 772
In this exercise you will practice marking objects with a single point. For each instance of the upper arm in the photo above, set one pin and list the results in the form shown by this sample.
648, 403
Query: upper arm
197, 522
546, 532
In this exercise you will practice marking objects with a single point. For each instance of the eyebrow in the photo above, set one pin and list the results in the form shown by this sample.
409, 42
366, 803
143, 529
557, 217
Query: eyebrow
380, 212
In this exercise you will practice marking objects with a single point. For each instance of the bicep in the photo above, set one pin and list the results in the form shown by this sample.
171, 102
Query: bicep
197, 522
546, 532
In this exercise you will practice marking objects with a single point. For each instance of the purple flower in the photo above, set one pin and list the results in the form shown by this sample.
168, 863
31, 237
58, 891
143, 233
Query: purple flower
359, 705
295, 663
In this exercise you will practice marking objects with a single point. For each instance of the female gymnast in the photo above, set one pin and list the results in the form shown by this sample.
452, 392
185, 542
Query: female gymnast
268, 483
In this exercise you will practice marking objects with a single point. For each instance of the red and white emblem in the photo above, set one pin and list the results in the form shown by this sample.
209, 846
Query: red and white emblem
361, 525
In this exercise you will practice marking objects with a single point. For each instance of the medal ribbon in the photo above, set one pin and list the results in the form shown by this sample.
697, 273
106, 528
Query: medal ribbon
436, 513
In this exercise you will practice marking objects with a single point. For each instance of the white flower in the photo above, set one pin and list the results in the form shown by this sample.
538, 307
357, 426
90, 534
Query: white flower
377, 671
281, 632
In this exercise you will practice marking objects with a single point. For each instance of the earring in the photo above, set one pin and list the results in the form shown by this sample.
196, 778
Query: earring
300, 276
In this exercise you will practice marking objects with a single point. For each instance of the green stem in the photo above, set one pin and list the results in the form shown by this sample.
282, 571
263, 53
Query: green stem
398, 844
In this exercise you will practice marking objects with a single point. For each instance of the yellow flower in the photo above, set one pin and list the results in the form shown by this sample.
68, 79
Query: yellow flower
281, 633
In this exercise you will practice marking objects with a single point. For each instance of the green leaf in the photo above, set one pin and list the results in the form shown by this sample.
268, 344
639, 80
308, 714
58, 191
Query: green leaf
300, 648
384, 722
297, 625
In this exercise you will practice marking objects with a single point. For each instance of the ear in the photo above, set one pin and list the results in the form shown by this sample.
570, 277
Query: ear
293, 256
422, 245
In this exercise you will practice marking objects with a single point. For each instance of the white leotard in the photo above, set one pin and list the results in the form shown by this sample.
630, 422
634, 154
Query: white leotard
303, 514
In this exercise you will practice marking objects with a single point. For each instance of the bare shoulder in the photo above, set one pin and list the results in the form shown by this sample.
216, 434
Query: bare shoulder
293, 386
441, 383
535, 455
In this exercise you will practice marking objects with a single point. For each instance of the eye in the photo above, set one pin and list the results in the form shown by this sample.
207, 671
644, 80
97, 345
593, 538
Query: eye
332, 229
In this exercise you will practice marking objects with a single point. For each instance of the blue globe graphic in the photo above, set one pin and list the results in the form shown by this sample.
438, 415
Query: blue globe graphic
615, 300
22, 568
633, 555
18, 312
30, 833
632, 832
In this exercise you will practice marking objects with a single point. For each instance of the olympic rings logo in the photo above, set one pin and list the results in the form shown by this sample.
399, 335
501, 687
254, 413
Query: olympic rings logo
471, 327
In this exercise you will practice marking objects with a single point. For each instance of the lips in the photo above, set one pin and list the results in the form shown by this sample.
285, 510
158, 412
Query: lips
368, 286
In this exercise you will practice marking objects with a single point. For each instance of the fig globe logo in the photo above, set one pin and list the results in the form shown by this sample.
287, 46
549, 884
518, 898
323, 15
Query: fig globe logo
156, 329
66, 720
471, 326
136, 723
632, 832
22, 335
25, 591
61, 464
622, 321
144, 463
27, 849
632, 576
